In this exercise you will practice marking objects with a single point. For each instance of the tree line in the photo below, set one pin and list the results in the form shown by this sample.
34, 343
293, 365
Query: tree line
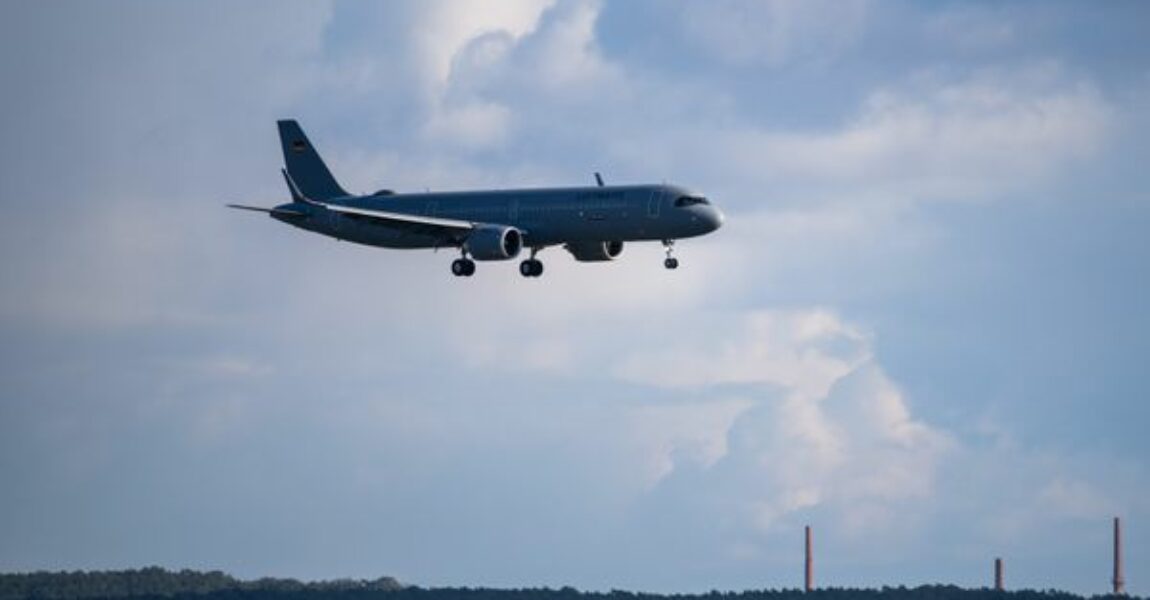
155, 583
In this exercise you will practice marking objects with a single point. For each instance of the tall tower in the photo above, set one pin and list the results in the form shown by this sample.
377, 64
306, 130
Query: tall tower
810, 567
1119, 581
998, 583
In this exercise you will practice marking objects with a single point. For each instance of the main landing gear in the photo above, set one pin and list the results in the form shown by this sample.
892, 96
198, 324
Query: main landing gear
463, 267
670, 262
532, 267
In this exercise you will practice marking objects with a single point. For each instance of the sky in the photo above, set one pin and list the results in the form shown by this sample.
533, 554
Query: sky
922, 329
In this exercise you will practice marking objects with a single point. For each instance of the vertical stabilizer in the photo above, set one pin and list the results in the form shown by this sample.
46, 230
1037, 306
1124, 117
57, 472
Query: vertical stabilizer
304, 164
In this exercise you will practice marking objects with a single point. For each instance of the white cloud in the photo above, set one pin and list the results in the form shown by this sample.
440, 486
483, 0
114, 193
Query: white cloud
773, 347
939, 134
775, 32
830, 429
667, 435
448, 26
1075, 499
974, 137
971, 27
566, 57
474, 125
500, 74
461, 35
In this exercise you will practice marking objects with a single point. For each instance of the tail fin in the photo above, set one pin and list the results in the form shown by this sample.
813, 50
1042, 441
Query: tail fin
305, 166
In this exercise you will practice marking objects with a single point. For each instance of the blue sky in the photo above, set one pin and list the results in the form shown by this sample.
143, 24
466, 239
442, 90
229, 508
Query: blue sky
923, 329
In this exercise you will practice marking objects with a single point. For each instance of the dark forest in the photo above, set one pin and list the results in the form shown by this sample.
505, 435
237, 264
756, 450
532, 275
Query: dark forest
154, 583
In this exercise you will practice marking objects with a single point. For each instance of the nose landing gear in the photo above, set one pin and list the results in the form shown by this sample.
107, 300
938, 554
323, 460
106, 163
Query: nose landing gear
670, 262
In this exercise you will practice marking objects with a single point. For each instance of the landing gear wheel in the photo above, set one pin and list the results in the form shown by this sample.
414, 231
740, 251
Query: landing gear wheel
531, 268
671, 263
463, 267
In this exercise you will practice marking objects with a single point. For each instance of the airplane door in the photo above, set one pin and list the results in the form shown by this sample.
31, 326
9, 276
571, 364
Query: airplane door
432, 208
654, 203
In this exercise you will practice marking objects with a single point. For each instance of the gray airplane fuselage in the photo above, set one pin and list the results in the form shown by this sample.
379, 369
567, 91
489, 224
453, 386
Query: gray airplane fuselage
592, 223
545, 216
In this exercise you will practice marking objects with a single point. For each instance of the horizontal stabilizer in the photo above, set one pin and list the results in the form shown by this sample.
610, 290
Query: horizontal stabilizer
283, 212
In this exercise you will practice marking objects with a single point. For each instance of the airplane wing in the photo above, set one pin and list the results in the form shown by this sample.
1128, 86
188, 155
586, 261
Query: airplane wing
401, 219
448, 231
448, 228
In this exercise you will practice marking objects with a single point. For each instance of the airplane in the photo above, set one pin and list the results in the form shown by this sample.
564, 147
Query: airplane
591, 222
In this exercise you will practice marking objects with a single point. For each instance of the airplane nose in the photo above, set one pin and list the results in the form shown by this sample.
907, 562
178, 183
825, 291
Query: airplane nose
715, 218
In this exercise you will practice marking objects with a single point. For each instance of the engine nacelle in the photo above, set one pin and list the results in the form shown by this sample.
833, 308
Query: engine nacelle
493, 242
595, 251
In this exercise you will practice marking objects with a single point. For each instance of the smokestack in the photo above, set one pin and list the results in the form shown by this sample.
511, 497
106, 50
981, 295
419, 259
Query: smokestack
1119, 581
810, 570
998, 587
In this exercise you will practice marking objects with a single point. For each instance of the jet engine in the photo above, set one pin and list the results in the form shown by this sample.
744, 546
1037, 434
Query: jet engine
595, 251
494, 242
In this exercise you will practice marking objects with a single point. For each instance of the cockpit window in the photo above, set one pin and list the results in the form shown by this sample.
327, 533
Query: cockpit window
682, 201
